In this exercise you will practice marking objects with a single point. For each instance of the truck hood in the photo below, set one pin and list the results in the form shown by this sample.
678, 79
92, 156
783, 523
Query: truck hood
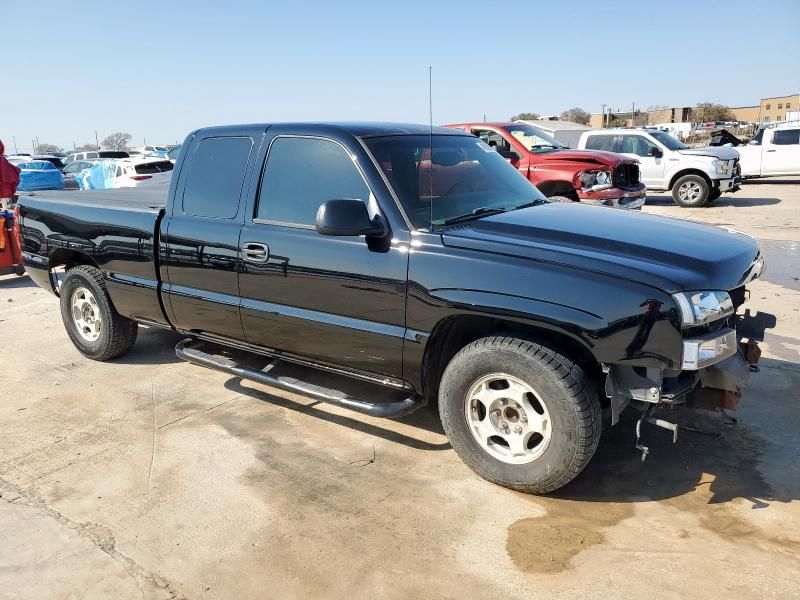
596, 157
669, 254
721, 152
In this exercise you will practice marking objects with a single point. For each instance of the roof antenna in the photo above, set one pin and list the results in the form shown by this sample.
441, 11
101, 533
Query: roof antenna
430, 141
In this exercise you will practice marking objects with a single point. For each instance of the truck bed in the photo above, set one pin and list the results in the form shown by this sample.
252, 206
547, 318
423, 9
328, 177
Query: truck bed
151, 198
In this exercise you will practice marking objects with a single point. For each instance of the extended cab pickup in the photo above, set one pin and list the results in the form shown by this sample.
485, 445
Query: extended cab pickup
774, 151
560, 173
696, 176
426, 274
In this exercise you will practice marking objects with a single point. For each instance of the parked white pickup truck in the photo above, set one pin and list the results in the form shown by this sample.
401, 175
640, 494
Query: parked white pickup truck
696, 176
773, 151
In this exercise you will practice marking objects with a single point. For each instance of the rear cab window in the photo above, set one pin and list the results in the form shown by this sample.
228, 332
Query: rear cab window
608, 143
215, 177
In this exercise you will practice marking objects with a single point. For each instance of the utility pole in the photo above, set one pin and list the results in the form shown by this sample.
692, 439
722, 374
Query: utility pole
603, 116
33, 145
96, 140
15, 144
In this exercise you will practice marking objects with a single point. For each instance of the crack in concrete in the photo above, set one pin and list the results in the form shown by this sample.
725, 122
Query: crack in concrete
98, 535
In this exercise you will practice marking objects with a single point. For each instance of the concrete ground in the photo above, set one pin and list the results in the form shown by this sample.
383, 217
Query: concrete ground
151, 478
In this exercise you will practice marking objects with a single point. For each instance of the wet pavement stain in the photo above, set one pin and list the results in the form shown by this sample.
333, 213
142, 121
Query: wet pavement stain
701, 474
547, 544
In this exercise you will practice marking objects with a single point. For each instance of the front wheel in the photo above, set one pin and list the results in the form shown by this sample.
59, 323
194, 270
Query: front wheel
519, 414
95, 327
691, 191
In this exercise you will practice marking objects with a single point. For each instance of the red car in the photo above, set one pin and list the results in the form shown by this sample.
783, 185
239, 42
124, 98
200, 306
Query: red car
560, 173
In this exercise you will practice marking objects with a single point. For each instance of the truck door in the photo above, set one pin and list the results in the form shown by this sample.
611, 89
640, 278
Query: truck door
651, 168
781, 152
338, 300
200, 261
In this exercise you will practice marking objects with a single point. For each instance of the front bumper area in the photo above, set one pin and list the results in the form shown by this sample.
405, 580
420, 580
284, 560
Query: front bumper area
728, 185
629, 199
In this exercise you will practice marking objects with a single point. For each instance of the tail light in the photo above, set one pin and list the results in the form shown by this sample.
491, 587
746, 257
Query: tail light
141, 177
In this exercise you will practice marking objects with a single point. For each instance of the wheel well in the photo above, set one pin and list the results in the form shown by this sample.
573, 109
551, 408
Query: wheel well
680, 174
452, 334
558, 188
69, 259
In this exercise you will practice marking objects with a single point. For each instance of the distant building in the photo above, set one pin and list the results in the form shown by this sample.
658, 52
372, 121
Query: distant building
775, 109
747, 114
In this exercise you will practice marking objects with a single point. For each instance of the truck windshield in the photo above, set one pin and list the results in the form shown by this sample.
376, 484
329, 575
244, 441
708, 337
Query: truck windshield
669, 141
465, 179
533, 138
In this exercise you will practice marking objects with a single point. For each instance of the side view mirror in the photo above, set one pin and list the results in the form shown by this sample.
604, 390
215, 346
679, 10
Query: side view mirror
655, 152
349, 217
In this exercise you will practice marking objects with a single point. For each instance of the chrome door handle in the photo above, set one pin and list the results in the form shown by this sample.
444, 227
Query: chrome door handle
770, 150
255, 252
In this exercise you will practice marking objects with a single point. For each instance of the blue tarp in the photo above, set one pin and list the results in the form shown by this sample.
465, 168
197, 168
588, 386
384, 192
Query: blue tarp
99, 177
39, 175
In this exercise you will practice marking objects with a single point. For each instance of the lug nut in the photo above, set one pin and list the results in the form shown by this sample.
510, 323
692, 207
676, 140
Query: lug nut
503, 401
517, 429
524, 419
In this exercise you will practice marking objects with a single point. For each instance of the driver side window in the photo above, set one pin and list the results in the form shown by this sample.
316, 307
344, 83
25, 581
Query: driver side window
497, 142
636, 144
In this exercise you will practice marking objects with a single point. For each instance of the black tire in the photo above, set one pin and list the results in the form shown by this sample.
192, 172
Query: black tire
714, 194
699, 191
562, 386
117, 334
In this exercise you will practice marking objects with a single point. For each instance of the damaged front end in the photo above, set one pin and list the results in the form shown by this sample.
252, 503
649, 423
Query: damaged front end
716, 365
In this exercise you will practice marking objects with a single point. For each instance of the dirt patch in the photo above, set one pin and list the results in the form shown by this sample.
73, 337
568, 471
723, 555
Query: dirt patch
547, 544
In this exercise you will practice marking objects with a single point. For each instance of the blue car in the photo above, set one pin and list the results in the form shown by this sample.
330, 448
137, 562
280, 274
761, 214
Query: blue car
39, 175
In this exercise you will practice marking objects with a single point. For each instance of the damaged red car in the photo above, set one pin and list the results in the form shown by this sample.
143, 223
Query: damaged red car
562, 174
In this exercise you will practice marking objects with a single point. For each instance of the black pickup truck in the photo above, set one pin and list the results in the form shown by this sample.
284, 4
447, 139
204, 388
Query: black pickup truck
411, 258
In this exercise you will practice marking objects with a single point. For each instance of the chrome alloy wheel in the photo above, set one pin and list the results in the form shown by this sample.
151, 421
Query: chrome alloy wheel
86, 314
508, 418
690, 191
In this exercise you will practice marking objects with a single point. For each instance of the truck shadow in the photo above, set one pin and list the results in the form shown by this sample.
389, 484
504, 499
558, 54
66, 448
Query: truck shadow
737, 200
723, 463
424, 418
154, 346
15, 282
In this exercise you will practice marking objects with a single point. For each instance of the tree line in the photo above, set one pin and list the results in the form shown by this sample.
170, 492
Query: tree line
704, 112
116, 141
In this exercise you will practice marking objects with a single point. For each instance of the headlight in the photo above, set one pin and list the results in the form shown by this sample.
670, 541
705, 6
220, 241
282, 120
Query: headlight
698, 308
723, 167
595, 180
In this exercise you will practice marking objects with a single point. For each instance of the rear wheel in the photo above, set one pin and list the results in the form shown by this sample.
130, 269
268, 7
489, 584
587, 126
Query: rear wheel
519, 414
690, 191
96, 329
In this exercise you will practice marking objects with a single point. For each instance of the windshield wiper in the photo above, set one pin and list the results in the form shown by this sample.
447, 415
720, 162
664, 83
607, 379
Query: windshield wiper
534, 202
475, 214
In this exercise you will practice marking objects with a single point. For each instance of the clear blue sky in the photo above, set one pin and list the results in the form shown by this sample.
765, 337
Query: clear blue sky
158, 69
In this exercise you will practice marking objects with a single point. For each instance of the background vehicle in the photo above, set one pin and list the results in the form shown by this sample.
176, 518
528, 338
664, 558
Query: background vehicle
72, 172
591, 177
430, 269
39, 175
774, 150
95, 155
172, 155
695, 176
125, 172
